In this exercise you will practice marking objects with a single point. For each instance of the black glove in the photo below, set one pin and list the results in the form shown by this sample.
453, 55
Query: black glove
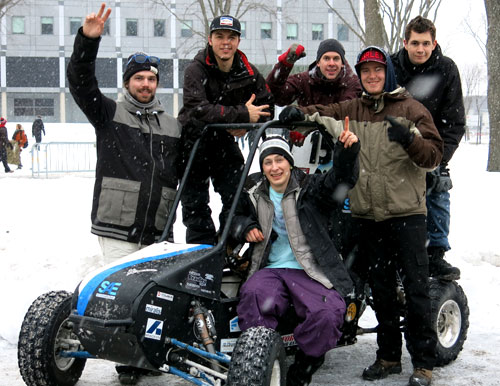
294, 53
443, 183
9, 145
291, 114
398, 132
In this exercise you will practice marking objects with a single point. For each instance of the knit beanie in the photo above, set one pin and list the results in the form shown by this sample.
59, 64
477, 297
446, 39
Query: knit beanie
330, 45
275, 145
133, 67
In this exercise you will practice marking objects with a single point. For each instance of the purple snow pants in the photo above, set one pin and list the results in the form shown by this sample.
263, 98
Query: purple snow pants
267, 295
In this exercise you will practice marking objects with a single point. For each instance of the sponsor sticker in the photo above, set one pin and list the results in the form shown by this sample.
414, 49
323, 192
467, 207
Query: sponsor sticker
153, 309
224, 20
108, 290
200, 282
165, 296
233, 325
227, 345
153, 329
288, 340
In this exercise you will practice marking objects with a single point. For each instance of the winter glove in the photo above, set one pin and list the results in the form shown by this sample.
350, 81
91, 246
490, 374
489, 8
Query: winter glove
9, 145
291, 114
294, 53
297, 138
443, 181
399, 133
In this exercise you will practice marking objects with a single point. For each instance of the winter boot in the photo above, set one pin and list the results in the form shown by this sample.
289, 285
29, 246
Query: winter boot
421, 377
381, 369
302, 369
439, 267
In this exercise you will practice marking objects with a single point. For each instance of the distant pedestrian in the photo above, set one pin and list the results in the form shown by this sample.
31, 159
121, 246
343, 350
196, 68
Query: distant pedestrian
37, 129
4, 144
22, 140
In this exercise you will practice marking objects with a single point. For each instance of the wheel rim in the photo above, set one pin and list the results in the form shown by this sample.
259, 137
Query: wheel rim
65, 340
276, 374
449, 323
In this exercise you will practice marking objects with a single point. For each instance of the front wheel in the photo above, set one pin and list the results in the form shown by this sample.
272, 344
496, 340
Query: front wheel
258, 359
46, 332
450, 315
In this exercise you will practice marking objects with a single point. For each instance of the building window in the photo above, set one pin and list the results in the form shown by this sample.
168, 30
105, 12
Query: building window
106, 29
317, 32
186, 28
18, 24
47, 25
342, 32
159, 27
131, 27
74, 24
243, 29
292, 31
30, 107
266, 30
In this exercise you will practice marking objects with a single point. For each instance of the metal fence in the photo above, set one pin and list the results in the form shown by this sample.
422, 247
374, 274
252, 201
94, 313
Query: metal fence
62, 157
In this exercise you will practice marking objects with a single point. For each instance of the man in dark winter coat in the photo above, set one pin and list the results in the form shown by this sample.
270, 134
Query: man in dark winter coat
433, 79
294, 261
4, 144
137, 141
37, 128
220, 86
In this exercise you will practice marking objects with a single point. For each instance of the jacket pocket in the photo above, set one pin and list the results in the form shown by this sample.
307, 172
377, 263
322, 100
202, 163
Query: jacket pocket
118, 201
166, 202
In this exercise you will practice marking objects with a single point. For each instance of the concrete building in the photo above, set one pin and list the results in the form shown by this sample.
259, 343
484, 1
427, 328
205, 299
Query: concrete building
37, 41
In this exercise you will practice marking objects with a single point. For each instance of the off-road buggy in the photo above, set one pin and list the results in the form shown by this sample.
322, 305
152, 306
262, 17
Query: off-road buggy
172, 308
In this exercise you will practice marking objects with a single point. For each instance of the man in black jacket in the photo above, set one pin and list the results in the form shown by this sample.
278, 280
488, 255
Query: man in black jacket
433, 79
220, 86
37, 128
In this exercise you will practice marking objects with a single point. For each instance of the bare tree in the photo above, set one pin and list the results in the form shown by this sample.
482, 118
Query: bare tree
384, 20
493, 52
206, 10
5, 5
471, 76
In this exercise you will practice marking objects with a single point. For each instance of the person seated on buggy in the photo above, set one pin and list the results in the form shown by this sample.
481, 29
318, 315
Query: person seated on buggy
294, 261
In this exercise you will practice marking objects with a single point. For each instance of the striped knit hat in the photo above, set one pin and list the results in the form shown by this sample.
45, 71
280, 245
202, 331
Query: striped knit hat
275, 145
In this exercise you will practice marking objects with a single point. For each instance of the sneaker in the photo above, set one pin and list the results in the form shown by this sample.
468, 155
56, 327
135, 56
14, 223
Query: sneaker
421, 377
439, 267
381, 369
302, 369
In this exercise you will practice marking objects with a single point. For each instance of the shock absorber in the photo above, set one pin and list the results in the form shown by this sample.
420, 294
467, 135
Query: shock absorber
206, 330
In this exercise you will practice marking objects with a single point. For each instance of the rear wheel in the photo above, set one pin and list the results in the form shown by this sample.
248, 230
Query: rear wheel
258, 359
46, 332
450, 315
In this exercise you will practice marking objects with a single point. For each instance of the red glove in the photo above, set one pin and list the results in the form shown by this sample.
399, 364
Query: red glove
296, 138
294, 53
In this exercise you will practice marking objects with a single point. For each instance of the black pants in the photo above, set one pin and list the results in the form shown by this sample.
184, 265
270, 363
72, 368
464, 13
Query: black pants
3, 158
219, 159
398, 245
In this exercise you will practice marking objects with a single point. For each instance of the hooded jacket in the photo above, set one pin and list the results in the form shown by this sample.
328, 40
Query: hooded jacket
436, 84
213, 96
137, 147
310, 198
311, 87
392, 180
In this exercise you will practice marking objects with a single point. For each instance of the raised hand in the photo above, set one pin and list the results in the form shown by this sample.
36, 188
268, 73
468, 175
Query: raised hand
347, 137
255, 112
94, 24
294, 53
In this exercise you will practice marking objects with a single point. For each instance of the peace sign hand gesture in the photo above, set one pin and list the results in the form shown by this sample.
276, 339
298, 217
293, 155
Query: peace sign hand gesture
94, 24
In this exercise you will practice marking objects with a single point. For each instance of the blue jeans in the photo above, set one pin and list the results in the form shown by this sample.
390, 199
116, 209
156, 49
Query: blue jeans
438, 219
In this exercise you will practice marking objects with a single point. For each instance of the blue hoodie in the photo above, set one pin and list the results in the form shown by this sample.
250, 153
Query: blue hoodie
390, 75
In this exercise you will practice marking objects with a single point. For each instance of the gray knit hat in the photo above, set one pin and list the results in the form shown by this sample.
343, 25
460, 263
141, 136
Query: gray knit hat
275, 145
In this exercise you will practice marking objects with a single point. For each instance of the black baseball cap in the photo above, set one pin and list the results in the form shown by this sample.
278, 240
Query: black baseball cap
226, 22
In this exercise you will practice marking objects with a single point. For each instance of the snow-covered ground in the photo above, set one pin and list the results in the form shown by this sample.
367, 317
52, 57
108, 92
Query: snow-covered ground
46, 244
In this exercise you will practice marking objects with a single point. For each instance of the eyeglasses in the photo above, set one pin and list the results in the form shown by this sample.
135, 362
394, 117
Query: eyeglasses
141, 58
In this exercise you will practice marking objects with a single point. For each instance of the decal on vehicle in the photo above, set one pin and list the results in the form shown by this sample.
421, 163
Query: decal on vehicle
200, 282
233, 325
288, 340
165, 296
153, 329
108, 290
133, 271
227, 345
153, 309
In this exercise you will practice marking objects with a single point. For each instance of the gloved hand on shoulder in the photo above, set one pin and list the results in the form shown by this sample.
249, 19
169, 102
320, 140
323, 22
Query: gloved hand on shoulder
291, 114
294, 53
398, 132
297, 138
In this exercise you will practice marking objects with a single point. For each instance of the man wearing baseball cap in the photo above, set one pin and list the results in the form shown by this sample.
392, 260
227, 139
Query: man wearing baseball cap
137, 144
220, 86
293, 260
